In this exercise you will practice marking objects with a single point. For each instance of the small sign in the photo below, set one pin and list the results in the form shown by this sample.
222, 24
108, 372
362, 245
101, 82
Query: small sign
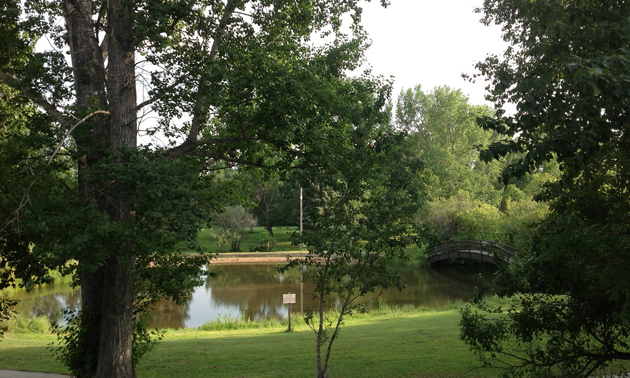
288, 298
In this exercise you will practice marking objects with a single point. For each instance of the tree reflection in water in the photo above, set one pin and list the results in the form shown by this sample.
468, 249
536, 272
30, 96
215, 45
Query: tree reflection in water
255, 291
46, 300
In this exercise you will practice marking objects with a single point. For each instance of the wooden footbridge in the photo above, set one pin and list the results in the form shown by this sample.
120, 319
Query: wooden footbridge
482, 250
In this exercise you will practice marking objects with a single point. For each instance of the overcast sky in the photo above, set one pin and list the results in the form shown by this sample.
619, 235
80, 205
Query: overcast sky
430, 42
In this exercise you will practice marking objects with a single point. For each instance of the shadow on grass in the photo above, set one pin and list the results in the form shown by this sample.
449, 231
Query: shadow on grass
424, 346
420, 346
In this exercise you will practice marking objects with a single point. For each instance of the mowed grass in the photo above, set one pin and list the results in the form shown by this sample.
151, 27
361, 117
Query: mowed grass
419, 345
250, 240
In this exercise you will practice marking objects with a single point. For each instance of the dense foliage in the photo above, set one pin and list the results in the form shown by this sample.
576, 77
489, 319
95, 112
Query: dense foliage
567, 72
466, 200
225, 83
276, 202
229, 225
361, 208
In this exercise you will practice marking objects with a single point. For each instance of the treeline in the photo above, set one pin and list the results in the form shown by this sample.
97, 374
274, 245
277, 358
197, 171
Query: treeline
464, 196
466, 199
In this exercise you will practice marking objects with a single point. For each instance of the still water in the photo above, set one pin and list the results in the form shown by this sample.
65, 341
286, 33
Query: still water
255, 291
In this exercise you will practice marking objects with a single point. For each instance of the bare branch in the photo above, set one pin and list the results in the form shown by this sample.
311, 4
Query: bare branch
245, 14
225, 141
145, 103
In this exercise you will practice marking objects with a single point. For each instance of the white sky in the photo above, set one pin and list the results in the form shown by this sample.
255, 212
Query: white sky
430, 42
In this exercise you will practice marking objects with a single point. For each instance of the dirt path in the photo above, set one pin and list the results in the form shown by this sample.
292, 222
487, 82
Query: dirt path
256, 258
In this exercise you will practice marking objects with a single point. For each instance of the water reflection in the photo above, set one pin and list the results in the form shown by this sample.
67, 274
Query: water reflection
47, 300
255, 291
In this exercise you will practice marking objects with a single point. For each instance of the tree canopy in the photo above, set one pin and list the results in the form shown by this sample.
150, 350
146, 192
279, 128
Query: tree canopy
442, 126
259, 83
466, 199
361, 212
567, 72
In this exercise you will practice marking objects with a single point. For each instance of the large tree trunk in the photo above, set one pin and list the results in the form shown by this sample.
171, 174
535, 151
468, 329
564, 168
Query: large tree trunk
114, 357
107, 293
115, 344
89, 74
91, 302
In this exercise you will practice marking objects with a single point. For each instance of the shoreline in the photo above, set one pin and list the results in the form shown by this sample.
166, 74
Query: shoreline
256, 257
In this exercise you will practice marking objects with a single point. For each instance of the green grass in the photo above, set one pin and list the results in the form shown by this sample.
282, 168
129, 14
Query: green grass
389, 343
26, 324
250, 240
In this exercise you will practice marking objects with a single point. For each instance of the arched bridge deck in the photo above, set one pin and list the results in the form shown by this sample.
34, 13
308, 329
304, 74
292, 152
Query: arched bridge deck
482, 250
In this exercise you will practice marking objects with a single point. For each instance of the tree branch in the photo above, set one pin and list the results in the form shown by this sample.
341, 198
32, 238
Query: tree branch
225, 158
38, 99
103, 46
145, 103
198, 114
204, 142
16, 213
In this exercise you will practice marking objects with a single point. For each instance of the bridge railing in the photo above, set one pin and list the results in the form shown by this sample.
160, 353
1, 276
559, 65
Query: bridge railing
473, 249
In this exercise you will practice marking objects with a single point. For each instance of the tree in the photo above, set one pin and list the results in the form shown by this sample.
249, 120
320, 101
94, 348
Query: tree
19, 265
442, 125
362, 201
231, 223
277, 203
236, 81
567, 71
467, 200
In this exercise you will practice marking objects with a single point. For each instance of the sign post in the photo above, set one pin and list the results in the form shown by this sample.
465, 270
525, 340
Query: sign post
302, 269
288, 299
301, 244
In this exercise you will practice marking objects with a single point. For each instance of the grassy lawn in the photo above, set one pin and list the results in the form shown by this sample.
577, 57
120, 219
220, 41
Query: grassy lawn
419, 345
250, 240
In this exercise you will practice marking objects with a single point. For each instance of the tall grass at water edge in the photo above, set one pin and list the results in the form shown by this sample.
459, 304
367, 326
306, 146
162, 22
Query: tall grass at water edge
384, 310
41, 324
28, 324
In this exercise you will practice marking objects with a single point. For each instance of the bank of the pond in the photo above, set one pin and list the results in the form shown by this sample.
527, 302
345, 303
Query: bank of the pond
257, 257
255, 291
401, 344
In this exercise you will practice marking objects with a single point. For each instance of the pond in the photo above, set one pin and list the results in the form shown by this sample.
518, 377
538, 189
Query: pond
255, 291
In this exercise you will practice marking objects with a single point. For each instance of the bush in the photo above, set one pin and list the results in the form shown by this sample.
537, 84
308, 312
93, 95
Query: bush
230, 225
72, 338
6, 311
265, 244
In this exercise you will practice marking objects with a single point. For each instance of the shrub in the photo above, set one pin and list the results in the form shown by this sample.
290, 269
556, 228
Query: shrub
265, 244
